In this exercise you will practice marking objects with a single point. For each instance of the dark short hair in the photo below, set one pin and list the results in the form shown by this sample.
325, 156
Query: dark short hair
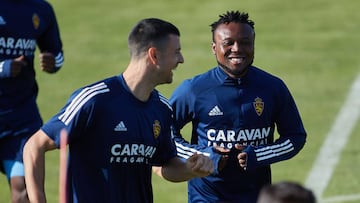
232, 16
150, 32
287, 191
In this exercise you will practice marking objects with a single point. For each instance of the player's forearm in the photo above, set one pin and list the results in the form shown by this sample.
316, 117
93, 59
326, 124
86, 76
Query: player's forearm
198, 165
175, 171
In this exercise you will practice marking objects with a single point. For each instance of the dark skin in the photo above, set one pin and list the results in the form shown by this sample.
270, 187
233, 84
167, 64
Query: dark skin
47, 63
233, 47
17, 64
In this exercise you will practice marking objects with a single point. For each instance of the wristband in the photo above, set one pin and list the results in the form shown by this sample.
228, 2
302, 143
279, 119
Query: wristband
5, 68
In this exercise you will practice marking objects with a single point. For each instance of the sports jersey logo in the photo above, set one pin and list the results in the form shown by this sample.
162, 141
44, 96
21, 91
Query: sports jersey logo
156, 128
120, 127
36, 21
258, 105
215, 111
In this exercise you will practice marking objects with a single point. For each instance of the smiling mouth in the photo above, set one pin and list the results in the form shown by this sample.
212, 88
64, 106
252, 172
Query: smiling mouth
237, 60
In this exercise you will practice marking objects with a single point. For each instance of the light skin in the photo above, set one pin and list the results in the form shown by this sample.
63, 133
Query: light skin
142, 75
233, 48
160, 65
18, 190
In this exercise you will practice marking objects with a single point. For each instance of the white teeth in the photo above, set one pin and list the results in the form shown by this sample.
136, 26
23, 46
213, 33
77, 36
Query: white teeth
237, 60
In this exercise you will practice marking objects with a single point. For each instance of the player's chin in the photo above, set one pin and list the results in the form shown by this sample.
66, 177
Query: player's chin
170, 80
167, 81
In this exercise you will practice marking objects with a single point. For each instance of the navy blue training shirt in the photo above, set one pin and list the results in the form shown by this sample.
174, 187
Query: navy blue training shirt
225, 111
25, 24
114, 139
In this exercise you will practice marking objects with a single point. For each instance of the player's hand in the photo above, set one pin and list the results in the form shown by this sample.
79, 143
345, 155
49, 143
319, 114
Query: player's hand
241, 156
47, 62
17, 64
224, 156
200, 165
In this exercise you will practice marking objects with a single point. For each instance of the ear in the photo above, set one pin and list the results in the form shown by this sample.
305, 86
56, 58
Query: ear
152, 55
213, 48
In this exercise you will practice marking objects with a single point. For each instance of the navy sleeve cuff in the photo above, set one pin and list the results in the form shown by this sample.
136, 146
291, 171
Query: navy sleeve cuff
5, 68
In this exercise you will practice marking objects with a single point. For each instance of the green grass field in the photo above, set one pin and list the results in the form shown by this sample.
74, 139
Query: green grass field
312, 45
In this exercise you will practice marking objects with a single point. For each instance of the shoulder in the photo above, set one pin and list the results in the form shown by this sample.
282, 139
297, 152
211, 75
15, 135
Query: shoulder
261, 77
162, 100
94, 91
200, 82
272, 84
88, 99
40, 3
42, 7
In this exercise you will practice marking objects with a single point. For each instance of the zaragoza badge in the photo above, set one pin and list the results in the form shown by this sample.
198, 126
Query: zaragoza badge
36, 21
258, 105
156, 128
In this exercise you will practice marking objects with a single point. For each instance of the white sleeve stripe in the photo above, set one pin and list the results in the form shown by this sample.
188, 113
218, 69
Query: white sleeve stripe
165, 101
286, 142
59, 60
275, 154
274, 151
1, 66
73, 113
84, 93
187, 151
180, 151
59, 56
185, 148
80, 100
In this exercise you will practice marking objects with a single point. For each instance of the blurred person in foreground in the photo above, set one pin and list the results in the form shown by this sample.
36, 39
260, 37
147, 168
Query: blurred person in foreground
24, 24
235, 109
286, 192
118, 128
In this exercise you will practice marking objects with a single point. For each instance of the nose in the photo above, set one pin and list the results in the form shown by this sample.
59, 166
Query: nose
235, 47
181, 59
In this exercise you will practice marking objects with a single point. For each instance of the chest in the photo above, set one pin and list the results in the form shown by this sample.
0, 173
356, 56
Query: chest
21, 24
119, 123
236, 106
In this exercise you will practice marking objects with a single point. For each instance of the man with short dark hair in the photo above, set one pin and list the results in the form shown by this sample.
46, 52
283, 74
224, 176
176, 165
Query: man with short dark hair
118, 128
286, 192
235, 109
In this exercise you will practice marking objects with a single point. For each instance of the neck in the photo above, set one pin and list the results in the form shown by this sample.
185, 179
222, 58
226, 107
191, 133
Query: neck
137, 79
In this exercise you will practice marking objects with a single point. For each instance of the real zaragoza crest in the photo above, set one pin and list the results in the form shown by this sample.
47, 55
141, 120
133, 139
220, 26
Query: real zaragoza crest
36, 21
156, 128
258, 105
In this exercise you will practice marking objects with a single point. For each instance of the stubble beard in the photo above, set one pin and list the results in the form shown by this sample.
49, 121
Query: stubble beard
234, 73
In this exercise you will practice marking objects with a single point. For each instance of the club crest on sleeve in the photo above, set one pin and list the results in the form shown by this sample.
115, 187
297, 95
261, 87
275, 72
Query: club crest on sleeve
258, 106
36, 21
156, 128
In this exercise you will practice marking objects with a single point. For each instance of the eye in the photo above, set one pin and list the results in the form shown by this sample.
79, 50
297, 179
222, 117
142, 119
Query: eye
245, 42
227, 43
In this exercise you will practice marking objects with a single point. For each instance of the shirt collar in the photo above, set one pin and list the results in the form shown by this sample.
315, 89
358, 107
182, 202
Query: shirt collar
227, 80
